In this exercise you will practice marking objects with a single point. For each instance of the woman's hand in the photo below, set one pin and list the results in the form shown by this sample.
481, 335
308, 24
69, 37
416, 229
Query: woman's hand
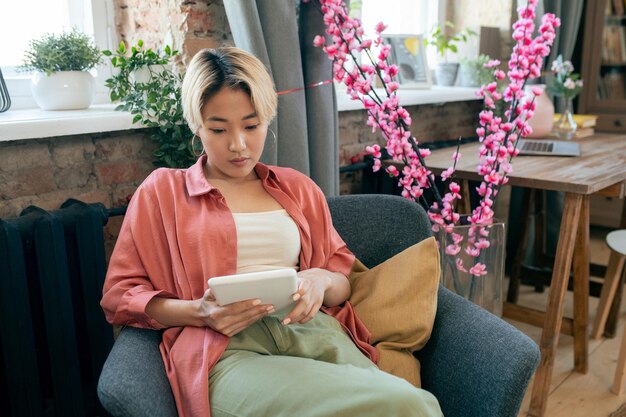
232, 318
316, 287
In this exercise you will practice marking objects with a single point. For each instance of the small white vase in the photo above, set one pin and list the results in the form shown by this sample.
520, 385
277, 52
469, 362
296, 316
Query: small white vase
144, 74
467, 76
543, 118
445, 73
63, 90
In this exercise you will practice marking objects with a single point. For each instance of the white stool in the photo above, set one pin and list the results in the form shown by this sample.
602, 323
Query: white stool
616, 240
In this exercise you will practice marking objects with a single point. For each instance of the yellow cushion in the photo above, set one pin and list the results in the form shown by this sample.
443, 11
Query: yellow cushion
397, 301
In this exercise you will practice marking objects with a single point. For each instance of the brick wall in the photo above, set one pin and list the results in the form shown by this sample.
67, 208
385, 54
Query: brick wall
431, 123
103, 168
187, 25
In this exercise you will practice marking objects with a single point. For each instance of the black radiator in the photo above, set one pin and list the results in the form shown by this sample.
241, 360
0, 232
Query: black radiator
53, 335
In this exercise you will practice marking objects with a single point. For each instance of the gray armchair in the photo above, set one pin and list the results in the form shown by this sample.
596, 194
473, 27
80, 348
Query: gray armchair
474, 363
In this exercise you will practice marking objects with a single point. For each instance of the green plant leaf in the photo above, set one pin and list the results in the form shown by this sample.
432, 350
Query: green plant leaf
155, 103
68, 51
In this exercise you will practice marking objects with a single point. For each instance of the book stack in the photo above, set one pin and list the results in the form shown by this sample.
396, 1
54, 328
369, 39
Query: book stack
585, 124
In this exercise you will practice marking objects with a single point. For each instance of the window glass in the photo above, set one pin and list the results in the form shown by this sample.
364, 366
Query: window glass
402, 17
20, 22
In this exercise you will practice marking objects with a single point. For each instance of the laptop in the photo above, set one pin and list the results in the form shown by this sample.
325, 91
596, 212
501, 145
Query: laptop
548, 147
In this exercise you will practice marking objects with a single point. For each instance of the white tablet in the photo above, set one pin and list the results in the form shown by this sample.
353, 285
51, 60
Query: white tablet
274, 287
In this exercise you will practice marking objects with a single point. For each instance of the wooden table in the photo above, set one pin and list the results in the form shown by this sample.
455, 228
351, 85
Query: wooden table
601, 167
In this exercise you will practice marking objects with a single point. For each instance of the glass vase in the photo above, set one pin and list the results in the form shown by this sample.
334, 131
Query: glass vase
565, 127
484, 290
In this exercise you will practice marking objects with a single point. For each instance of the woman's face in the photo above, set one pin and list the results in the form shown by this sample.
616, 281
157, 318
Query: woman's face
232, 135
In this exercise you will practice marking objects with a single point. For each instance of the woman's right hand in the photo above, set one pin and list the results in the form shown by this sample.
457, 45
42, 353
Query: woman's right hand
232, 318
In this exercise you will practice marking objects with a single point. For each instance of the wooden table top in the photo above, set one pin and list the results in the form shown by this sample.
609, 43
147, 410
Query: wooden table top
602, 163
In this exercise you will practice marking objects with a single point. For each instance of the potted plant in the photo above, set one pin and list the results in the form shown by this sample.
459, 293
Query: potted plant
445, 72
472, 71
62, 62
148, 88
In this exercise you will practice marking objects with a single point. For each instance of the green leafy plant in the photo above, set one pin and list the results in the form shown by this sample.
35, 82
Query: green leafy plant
148, 88
69, 51
444, 43
475, 67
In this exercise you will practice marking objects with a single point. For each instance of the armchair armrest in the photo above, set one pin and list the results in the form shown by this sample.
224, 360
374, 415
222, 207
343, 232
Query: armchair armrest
133, 381
475, 363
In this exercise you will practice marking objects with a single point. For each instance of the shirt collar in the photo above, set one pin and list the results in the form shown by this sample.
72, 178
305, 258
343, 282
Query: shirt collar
197, 183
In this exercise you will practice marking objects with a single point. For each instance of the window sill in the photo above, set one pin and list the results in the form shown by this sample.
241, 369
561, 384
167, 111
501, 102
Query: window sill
414, 97
36, 124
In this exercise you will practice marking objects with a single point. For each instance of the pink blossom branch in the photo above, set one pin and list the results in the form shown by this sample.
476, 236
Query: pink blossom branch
498, 135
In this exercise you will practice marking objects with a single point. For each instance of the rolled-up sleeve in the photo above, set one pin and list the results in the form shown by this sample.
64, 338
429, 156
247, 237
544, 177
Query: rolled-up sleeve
141, 247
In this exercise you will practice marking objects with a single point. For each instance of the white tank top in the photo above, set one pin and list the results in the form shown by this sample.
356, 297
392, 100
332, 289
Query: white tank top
266, 240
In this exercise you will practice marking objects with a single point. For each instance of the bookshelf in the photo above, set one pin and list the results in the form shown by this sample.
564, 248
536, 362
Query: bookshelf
604, 64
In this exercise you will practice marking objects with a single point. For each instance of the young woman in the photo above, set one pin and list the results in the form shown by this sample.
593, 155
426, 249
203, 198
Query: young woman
229, 214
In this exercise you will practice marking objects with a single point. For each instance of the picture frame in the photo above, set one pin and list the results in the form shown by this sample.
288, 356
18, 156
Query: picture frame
408, 52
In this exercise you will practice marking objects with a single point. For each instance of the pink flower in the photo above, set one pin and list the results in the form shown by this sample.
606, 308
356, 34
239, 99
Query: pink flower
482, 244
537, 91
455, 189
392, 170
485, 117
392, 86
319, 41
447, 174
478, 270
380, 27
373, 150
459, 265
472, 251
453, 249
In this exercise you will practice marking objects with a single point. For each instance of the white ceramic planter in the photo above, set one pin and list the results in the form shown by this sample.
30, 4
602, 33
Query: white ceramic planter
445, 73
63, 90
466, 77
142, 75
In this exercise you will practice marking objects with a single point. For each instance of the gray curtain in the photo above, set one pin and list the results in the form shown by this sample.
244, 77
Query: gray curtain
280, 33
570, 13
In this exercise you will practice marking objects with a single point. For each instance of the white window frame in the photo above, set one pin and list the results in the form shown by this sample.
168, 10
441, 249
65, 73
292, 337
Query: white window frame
103, 23
435, 17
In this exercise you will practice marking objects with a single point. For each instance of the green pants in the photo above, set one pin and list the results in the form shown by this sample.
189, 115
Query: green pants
307, 370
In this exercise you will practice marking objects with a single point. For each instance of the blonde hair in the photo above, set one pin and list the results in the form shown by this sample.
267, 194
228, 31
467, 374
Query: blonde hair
212, 69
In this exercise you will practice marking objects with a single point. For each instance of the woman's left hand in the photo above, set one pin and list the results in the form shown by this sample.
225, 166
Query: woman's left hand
312, 286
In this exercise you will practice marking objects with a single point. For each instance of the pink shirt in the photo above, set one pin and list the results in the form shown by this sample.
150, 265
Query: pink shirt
178, 233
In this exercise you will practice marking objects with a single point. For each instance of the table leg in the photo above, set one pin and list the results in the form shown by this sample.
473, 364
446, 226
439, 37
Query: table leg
581, 289
554, 311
